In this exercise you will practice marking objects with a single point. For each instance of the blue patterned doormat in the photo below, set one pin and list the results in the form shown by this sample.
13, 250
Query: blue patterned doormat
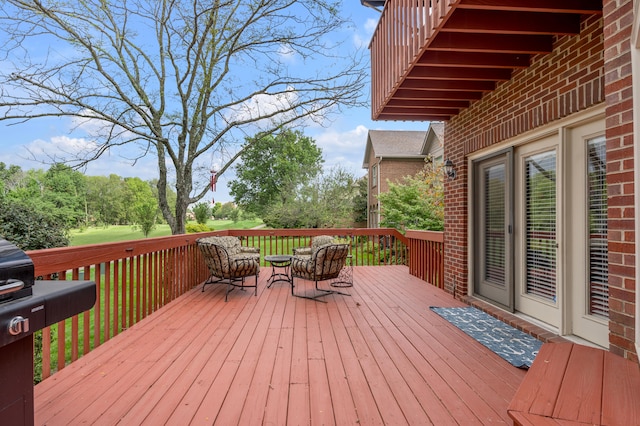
513, 345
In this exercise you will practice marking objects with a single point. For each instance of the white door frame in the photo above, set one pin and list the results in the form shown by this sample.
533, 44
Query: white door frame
557, 129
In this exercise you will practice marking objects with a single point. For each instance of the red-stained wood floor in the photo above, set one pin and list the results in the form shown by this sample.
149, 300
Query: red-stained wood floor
379, 356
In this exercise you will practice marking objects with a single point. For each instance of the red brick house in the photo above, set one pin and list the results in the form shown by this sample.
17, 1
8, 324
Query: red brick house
391, 155
541, 113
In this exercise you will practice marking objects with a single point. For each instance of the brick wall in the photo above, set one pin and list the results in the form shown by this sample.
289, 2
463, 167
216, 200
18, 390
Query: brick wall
618, 19
572, 78
389, 169
396, 169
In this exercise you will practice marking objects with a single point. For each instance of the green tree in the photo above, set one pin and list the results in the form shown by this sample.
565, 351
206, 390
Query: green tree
106, 200
31, 189
10, 178
215, 208
142, 205
64, 191
416, 203
360, 201
146, 213
225, 211
202, 212
273, 169
31, 228
326, 201
179, 79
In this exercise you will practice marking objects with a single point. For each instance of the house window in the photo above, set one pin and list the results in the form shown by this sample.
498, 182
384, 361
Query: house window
374, 175
598, 251
540, 202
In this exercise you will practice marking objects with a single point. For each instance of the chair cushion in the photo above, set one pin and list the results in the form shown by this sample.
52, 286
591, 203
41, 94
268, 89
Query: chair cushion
325, 263
316, 242
231, 260
233, 246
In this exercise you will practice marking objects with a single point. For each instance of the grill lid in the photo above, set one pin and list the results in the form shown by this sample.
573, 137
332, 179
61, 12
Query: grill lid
16, 272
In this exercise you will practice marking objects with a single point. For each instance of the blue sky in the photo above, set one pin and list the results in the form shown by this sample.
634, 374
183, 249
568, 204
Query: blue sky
342, 141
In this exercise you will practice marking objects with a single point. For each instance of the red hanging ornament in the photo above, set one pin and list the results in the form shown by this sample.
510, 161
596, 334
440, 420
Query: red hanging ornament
214, 180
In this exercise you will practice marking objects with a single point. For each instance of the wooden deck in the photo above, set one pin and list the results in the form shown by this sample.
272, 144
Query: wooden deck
377, 357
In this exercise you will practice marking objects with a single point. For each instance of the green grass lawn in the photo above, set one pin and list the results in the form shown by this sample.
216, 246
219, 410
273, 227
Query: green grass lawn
115, 233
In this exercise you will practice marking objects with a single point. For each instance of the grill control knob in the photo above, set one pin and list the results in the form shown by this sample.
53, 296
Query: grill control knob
18, 325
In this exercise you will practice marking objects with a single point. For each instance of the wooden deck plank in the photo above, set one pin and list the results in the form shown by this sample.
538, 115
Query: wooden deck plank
299, 411
363, 341
620, 375
201, 388
241, 363
378, 356
543, 403
121, 372
479, 384
584, 371
171, 383
275, 412
420, 357
364, 402
342, 402
417, 317
254, 408
258, 349
319, 393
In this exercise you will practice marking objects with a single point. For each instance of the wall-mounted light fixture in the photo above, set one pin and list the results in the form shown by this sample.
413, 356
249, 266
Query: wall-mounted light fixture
449, 169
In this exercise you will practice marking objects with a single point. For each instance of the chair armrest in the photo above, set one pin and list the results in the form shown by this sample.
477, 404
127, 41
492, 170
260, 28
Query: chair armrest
244, 249
302, 251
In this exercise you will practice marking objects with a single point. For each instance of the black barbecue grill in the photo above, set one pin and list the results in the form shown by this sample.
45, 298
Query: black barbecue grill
26, 306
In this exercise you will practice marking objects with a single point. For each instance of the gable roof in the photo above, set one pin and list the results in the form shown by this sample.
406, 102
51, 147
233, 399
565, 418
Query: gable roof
434, 137
394, 144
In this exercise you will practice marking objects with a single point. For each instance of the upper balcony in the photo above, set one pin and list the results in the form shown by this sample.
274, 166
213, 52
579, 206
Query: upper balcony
159, 350
432, 59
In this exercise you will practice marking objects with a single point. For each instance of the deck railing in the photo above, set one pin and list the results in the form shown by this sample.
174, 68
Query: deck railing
136, 278
403, 32
426, 256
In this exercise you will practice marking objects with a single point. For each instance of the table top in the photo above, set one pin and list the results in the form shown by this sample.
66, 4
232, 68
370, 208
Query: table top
278, 258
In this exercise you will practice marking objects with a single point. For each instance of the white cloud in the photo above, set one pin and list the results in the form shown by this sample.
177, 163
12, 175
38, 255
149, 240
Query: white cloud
370, 26
344, 149
359, 41
286, 52
362, 40
40, 153
262, 105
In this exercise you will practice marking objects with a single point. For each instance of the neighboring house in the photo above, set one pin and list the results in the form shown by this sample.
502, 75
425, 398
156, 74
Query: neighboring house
541, 113
391, 155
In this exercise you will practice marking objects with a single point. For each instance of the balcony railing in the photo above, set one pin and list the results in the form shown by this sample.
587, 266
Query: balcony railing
426, 256
403, 32
136, 278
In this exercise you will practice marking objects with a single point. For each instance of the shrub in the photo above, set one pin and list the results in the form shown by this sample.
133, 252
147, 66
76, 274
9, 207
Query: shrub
30, 228
193, 228
202, 212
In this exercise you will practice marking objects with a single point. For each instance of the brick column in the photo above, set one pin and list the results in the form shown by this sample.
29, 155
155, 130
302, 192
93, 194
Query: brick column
618, 21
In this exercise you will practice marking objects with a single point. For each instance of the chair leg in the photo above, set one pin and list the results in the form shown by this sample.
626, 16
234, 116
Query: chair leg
330, 291
255, 289
226, 293
323, 292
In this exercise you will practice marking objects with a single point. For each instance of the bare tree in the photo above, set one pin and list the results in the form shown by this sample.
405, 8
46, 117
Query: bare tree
171, 77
